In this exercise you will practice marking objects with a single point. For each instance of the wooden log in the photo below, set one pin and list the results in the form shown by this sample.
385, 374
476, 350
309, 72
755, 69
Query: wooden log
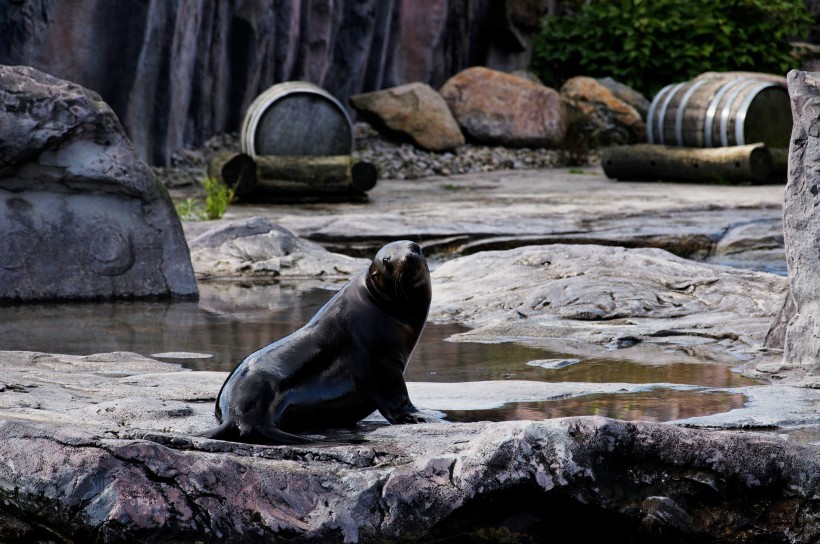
780, 163
647, 162
293, 175
235, 170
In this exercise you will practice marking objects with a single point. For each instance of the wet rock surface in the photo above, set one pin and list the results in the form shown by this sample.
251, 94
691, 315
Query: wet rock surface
82, 215
645, 302
116, 462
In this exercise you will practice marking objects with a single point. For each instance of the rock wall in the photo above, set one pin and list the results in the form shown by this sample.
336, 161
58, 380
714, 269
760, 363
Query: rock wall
179, 71
801, 225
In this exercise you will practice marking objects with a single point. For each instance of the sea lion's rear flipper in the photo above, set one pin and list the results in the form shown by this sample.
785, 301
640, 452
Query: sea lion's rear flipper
225, 431
269, 434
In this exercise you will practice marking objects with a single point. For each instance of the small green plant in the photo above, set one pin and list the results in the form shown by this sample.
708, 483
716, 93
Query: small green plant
189, 210
650, 43
217, 198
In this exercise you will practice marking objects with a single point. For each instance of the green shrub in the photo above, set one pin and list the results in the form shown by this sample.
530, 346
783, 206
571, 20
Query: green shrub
188, 210
650, 43
217, 198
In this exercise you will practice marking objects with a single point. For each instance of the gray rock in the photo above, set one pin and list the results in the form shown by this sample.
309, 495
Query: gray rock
257, 247
582, 299
801, 224
499, 108
414, 111
82, 216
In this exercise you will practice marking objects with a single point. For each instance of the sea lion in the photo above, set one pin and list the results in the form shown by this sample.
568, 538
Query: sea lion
346, 362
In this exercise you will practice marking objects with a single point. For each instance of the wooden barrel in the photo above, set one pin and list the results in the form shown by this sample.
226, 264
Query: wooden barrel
296, 118
720, 111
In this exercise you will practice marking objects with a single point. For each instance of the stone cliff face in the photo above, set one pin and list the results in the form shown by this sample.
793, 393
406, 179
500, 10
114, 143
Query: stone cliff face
178, 71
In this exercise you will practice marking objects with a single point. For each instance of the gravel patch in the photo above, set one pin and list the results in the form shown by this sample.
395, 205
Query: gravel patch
395, 160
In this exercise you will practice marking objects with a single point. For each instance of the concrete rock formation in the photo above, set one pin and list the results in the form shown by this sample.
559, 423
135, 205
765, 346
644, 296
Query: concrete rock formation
81, 216
600, 116
415, 111
498, 108
586, 297
178, 72
801, 225
256, 247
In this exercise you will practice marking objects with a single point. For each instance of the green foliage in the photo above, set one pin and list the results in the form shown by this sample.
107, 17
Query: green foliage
217, 198
189, 210
650, 43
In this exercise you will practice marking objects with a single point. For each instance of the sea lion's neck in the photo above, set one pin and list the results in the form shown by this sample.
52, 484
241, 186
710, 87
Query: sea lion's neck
412, 310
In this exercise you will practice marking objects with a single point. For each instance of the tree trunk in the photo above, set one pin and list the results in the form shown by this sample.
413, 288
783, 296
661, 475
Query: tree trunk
647, 162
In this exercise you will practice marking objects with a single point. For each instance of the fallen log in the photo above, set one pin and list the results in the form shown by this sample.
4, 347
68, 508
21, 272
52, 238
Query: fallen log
648, 162
276, 176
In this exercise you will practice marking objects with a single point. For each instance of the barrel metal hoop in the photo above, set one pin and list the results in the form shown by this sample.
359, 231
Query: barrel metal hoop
740, 118
682, 108
268, 98
650, 136
727, 110
664, 107
709, 119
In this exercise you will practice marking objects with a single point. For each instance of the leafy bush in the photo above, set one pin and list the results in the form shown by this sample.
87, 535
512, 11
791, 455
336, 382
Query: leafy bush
217, 198
650, 43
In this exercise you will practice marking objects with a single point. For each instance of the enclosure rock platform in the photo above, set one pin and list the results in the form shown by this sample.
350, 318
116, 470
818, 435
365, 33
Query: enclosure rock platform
116, 463
640, 304
258, 248
81, 216
468, 213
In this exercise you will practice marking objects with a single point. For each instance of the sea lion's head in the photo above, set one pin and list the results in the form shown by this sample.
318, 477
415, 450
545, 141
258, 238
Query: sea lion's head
399, 274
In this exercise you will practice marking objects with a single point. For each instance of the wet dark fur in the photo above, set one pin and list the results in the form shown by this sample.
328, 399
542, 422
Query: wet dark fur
346, 362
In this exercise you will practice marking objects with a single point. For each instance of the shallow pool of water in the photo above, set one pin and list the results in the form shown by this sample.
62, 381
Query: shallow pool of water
231, 321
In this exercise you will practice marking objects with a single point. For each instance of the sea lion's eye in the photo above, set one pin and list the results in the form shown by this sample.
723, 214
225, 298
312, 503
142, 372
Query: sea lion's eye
386, 260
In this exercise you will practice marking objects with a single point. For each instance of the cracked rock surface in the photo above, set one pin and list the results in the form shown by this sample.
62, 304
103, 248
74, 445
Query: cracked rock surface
100, 448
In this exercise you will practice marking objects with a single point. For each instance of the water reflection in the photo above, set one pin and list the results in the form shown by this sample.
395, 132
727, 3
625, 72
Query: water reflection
660, 405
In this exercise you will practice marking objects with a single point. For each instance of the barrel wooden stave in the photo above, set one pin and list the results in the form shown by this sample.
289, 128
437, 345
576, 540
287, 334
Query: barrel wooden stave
721, 111
296, 118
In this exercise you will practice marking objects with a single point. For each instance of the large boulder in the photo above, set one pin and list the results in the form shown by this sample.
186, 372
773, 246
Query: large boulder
600, 117
82, 216
497, 108
801, 225
414, 111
